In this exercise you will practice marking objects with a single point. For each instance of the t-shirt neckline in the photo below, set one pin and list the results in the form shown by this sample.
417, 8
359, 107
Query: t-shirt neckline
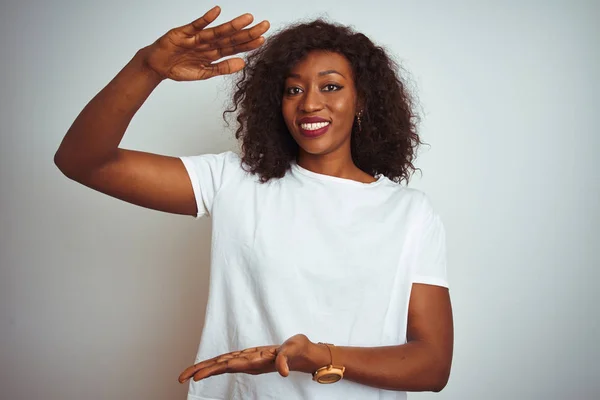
316, 175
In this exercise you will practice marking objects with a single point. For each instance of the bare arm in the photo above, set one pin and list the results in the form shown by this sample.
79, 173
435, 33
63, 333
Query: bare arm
90, 153
422, 364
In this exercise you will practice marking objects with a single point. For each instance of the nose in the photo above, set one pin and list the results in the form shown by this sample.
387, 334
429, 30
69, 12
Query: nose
312, 101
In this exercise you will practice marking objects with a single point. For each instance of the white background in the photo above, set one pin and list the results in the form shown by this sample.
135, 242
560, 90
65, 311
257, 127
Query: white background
100, 299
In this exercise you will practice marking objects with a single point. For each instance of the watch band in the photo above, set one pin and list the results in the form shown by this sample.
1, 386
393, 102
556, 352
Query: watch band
330, 373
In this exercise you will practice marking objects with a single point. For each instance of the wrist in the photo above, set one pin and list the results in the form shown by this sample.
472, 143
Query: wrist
319, 356
141, 61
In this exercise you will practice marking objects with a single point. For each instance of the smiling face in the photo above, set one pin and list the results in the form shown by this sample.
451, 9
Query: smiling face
320, 103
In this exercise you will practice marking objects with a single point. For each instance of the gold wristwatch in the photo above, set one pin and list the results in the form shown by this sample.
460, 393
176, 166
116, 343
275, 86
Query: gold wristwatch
330, 373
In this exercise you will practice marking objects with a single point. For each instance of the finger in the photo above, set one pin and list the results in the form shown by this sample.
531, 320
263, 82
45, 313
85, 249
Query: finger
217, 54
244, 36
201, 22
248, 362
225, 67
281, 364
213, 370
224, 30
229, 356
250, 350
229, 51
187, 374
237, 361
214, 363
190, 371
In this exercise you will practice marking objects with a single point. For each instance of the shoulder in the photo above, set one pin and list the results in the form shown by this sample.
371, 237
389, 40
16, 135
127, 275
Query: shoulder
415, 198
227, 161
413, 206
225, 158
214, 169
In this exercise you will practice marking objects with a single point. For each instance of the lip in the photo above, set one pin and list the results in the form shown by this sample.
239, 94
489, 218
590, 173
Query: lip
315, 133
312, 120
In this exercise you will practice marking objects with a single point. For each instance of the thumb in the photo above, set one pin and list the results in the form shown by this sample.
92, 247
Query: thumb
281, 364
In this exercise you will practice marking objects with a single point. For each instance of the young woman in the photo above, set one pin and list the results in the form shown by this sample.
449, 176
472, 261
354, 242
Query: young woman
325, 269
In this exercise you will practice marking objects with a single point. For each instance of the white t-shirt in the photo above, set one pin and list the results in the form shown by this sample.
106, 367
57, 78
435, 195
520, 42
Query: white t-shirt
328, 257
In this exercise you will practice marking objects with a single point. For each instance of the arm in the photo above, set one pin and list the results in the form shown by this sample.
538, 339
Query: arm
90, 153
422, 364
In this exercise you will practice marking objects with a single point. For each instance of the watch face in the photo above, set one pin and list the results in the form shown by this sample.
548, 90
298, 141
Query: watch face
329, 378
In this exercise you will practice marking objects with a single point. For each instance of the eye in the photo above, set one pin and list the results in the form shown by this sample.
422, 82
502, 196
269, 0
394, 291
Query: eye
292, 90
332, 87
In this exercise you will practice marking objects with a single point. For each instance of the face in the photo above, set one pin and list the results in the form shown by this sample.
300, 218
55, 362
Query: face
320, 103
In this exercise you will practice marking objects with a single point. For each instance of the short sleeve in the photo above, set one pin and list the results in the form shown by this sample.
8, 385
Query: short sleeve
430, 261
208, 173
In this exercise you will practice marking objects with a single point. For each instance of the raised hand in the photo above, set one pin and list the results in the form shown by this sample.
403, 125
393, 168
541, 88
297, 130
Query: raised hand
187, 53
297, 353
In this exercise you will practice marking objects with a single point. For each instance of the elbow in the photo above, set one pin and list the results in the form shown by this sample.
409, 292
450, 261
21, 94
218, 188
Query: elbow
440, 379
61, 162
439, 386
68, 165
71, 165
58, 159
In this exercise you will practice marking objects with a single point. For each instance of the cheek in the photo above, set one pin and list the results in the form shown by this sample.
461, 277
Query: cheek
344, 108
286, 111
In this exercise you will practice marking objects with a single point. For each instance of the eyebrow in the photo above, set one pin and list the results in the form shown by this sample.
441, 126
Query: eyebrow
322, 73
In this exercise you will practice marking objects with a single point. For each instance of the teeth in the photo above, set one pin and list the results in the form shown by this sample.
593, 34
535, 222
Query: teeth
314, 126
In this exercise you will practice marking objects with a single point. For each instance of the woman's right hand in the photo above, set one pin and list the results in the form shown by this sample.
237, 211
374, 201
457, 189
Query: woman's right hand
187, 53
90, 152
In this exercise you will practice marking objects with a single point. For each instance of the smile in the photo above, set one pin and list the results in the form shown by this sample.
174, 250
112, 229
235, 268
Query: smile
314, 129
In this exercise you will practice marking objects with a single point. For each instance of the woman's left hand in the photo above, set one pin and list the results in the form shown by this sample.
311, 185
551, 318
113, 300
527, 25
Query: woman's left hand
297, 353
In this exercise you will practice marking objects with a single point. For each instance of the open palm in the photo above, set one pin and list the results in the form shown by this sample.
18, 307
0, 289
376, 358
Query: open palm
292, 355
189, 52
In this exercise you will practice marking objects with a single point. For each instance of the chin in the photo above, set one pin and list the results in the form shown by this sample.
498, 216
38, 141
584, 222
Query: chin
322, 145
315, 148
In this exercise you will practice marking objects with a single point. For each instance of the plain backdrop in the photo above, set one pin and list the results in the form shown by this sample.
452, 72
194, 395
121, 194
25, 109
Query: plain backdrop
100, 299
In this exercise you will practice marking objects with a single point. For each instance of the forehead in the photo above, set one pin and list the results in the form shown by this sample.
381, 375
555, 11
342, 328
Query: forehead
319, 61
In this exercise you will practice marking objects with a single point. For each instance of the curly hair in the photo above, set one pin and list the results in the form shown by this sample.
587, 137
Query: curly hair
388, 140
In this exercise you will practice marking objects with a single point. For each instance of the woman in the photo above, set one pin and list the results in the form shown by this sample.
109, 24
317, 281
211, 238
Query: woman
314, 238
